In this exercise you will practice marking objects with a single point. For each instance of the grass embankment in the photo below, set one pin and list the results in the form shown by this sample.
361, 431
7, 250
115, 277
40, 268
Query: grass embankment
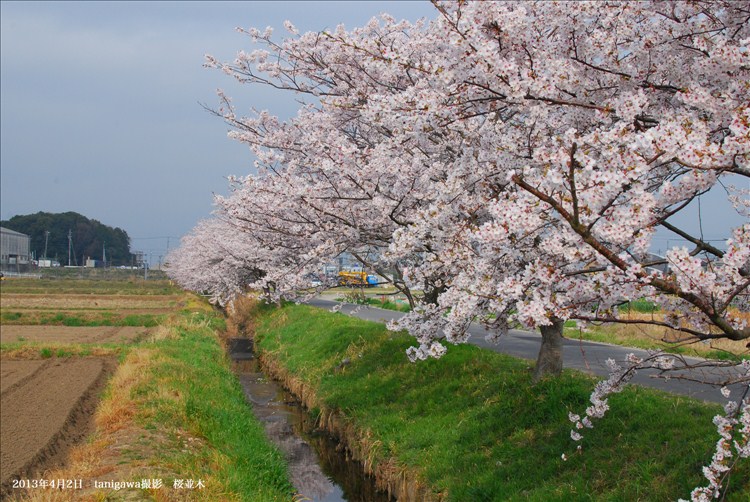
472, 426
384, 303
173, 411
369, 296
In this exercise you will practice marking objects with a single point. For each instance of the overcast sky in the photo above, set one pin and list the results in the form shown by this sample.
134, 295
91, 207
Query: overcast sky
101, 105
101, 114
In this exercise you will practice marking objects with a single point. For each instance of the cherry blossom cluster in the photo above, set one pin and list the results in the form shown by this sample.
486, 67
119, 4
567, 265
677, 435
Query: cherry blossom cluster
733, 427
734, 430
618, 378
507, 163
512, 171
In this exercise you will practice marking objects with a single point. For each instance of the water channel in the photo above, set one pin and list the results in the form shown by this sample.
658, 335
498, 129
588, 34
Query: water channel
319, 467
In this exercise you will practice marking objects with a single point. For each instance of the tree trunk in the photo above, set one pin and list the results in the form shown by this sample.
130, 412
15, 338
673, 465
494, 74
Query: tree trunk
550, 359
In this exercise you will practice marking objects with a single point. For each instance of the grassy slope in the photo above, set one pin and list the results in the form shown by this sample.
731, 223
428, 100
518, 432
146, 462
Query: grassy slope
191, 389
478, 429
173, 410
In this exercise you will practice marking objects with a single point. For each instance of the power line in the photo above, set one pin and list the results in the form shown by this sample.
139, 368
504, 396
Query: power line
681, 239
153, 238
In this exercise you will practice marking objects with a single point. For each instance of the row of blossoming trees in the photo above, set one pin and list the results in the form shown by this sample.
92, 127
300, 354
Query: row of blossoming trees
512, 162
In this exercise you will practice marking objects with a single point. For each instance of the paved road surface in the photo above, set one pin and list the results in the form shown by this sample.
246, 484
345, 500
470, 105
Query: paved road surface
586, 356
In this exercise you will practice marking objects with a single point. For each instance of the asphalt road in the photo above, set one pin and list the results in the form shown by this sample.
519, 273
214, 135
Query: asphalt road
585, 356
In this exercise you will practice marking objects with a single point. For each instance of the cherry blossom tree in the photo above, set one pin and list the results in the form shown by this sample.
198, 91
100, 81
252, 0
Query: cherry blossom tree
339, 178
214, 259
606, 120
506, 157
513, 160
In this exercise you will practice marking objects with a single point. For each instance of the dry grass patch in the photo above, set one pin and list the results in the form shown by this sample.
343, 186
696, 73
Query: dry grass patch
118, 408
163, 332
240, 317
25, 351
659, 337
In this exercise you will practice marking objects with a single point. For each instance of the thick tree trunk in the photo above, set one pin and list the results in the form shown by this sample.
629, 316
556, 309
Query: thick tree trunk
550, 359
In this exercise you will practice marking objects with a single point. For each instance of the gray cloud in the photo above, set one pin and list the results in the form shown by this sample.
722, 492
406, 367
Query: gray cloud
100, 105
100, 108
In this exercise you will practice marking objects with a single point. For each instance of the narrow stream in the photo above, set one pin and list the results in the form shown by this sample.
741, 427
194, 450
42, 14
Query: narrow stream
318, 465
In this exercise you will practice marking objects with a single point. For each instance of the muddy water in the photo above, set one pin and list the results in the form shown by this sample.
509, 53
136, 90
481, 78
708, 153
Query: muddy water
318, 465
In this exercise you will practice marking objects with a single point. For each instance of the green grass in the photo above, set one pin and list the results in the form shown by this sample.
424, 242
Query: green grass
389, 305
118, 286
641, 305
360, 298
101, 319
10, 316
212, 407
477, 428
87, 318
24, 349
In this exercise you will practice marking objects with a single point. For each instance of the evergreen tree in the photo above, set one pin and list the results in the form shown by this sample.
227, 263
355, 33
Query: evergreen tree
89, 237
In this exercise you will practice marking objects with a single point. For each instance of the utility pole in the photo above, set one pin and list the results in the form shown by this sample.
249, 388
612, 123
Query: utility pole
104, 253
70, 244
46, 238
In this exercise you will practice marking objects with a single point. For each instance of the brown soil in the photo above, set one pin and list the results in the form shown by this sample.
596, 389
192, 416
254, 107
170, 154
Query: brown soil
71, 334
55, 302
39, 312
45, 408
13, 372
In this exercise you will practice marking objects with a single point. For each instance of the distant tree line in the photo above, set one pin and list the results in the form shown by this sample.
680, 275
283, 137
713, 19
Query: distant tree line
90, 238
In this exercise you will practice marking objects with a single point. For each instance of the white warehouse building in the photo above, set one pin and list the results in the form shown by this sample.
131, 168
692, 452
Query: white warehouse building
15, 250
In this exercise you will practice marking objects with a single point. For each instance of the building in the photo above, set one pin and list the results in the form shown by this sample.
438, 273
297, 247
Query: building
92, 263
15, 251
658, 263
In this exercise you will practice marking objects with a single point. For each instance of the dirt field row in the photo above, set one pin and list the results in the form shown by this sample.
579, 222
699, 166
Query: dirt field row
46, 406
120, 302
47, 400
70, 334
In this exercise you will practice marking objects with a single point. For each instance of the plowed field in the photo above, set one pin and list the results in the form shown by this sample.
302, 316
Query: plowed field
45, 407
69, 334
47, 394
99, 301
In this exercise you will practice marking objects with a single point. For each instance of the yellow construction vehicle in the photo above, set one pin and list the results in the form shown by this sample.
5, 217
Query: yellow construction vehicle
356, 279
